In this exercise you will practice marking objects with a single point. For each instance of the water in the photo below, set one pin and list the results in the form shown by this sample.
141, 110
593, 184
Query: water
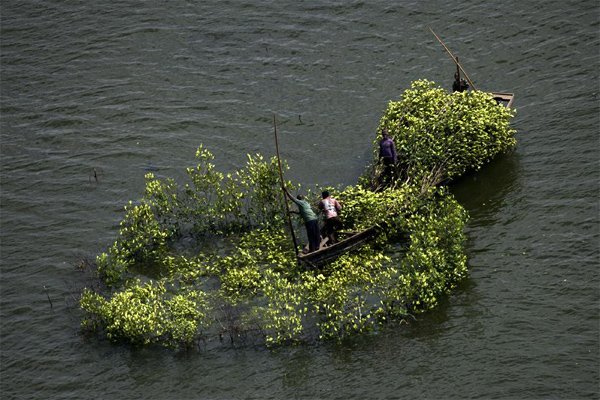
118, 89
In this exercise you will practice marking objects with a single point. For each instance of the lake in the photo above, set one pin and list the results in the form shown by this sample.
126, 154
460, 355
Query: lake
96, 94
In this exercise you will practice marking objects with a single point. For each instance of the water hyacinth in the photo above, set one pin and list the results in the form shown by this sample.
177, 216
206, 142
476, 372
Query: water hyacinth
250, 284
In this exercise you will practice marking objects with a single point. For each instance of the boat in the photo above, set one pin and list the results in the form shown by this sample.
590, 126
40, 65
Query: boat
352, 240
506, 99
328, 252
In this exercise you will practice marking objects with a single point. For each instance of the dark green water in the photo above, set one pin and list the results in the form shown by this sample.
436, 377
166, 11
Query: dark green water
122, 88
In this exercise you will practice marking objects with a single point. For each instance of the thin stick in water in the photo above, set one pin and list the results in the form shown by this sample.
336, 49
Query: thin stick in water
48, 295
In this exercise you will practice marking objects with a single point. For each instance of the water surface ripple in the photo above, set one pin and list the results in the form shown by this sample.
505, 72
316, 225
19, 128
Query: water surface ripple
94, 94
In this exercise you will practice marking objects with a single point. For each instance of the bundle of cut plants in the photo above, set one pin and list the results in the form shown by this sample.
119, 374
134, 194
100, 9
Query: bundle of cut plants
441, 135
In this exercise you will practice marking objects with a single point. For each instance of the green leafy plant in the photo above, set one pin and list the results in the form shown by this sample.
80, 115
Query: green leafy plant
170, 284
145, 313
441, 135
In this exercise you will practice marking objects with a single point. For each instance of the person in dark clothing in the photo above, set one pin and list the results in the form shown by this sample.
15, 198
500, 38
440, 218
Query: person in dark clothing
311, 221
387, 156
459, 85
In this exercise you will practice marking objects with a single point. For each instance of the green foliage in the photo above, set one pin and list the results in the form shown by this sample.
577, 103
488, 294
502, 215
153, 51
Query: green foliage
212, 203
260, 182
345, 298
142, 241
363, 208
220, 202
246, 198
257, 252
202, 193
441, 135
145, 313
252, 282
283, 314
188, 271
435, 258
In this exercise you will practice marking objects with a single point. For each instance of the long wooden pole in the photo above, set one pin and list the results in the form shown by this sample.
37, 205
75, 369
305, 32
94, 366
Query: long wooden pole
287, 207
453, 59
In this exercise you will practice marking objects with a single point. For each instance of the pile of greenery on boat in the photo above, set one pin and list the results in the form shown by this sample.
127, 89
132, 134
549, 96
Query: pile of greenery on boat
440, 136
213, 258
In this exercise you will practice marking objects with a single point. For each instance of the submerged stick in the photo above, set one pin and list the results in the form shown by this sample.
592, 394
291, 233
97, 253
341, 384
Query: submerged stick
453, 59
48, 295
287, 207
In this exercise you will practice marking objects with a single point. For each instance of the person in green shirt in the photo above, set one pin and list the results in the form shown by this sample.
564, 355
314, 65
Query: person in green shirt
311, 221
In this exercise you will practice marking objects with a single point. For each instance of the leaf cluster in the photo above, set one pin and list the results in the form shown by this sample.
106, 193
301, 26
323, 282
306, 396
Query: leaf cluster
440, 135
237, 273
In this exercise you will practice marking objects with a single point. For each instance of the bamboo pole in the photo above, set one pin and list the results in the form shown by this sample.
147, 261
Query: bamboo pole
287, 207
453, 59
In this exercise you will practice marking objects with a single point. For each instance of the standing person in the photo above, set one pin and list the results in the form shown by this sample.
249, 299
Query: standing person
387, 155
311, 221
459, 85
330, 208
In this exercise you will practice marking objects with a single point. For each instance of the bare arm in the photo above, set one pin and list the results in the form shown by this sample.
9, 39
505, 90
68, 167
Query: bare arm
290, 196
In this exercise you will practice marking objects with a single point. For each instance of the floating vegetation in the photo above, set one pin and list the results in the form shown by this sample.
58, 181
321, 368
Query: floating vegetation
213, 257
440, 135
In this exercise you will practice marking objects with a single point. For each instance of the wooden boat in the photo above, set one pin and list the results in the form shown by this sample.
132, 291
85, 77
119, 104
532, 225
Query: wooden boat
327, 253
506, 99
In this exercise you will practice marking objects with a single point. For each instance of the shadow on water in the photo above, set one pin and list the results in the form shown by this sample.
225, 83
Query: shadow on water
483, 193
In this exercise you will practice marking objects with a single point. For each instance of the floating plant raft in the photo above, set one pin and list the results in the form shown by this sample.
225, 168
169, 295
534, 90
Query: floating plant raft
164, 281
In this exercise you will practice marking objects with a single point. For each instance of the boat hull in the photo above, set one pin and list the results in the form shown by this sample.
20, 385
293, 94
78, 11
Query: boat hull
325, 254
